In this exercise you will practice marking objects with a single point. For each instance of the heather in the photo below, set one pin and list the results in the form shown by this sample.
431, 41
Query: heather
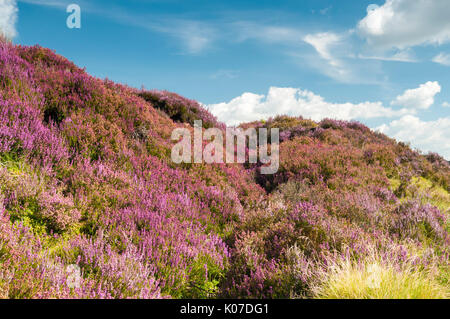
344, 194
180, 109
86, 179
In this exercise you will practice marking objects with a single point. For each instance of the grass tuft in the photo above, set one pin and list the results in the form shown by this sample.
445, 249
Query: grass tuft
377, 279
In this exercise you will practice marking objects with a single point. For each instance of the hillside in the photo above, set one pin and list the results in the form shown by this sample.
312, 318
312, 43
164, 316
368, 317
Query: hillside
86, 179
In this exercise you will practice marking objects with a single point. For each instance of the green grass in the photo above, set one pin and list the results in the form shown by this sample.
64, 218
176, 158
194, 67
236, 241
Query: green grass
434, 194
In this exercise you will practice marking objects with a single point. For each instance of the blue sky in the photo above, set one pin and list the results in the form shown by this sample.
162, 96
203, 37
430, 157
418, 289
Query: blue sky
384, 63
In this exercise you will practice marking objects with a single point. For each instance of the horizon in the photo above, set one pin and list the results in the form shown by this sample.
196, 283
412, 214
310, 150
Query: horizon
245, 62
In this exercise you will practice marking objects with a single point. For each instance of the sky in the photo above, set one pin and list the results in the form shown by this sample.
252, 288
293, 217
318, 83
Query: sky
385, 63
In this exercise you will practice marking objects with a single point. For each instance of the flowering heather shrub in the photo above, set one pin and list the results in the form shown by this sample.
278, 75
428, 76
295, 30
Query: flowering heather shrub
439, 170
22, 131
124, 274
334, 185
99, 157
28, 197
413, 219
338, 166
180, 109
86, 179
274, 255
29, 271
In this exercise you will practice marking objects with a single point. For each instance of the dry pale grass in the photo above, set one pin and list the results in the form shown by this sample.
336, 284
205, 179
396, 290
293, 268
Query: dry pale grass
373, 279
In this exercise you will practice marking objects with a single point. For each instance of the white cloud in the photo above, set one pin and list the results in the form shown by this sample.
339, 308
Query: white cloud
427, 136
401, 56
243, 31
330, 48
323, 42
372, 7
227, 74
292, 101
8, 18
405, 23
442, 58
333, 53
194, 36
324, 11
420, 98
51, 3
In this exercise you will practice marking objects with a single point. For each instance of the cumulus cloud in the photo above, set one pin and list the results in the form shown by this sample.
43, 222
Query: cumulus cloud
295, 102
420, 98
446, 104
427, 136
404, 23
8, 18
442, 58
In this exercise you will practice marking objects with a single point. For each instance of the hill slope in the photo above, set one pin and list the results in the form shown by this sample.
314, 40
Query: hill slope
86, 182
